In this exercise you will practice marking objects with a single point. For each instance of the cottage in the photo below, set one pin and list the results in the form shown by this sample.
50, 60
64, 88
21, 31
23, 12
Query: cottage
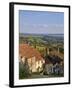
31, 56
48, 67
53, 65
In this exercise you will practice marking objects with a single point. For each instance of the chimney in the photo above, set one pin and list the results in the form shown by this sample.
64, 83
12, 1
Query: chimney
47, 51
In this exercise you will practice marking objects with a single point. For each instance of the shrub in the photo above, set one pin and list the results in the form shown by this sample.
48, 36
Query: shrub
24, 71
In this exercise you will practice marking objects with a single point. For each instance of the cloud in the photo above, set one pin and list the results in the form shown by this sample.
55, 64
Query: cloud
44, 25
43, 28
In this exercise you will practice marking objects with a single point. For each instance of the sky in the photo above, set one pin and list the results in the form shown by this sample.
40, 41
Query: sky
41, 22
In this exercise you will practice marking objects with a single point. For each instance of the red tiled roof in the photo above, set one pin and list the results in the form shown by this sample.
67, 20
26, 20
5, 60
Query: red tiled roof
28, 52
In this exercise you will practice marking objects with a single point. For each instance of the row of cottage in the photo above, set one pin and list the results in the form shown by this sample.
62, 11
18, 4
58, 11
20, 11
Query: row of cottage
37, 63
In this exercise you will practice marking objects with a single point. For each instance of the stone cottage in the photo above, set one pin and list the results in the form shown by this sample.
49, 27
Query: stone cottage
32, 56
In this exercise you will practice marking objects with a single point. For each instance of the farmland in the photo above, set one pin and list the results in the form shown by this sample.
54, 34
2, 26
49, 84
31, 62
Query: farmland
55, 43
50, 47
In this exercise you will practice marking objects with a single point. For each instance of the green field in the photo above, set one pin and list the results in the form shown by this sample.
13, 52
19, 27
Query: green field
44, 44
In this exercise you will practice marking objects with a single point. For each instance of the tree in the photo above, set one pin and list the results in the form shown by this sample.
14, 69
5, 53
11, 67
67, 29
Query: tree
24, 71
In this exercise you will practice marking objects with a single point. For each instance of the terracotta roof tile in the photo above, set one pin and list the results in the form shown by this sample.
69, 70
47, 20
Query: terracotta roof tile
28, 51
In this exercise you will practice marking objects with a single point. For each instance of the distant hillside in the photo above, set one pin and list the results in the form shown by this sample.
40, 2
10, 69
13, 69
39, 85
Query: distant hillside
40, 35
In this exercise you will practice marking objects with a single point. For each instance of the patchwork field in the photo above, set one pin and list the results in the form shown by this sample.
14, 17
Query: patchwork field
51, 47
